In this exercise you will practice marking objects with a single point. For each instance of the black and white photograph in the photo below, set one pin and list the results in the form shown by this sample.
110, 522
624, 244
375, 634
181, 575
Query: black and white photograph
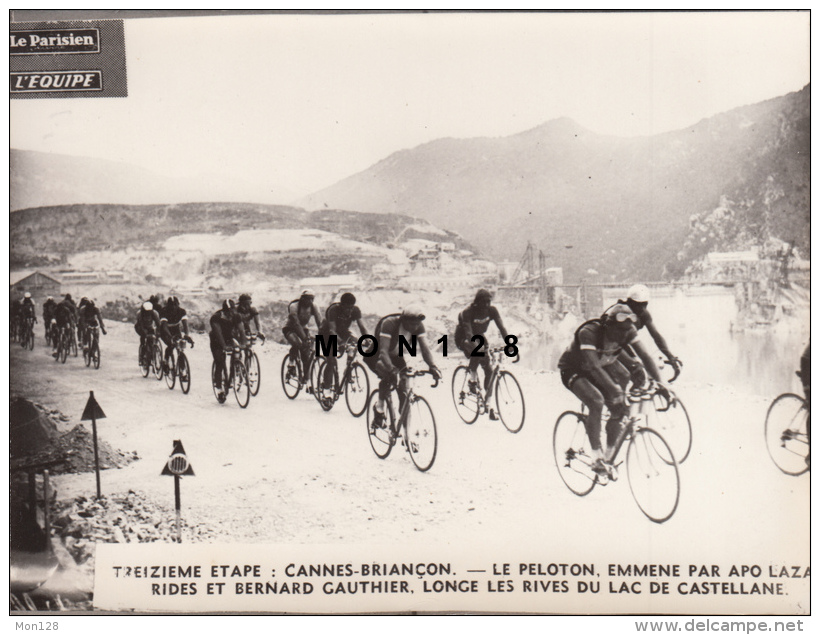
410, 313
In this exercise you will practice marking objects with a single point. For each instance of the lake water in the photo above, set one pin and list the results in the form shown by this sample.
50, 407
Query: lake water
698, 327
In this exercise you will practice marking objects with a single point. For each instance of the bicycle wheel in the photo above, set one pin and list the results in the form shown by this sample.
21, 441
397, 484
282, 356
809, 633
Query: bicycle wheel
381, 439
467, 402
674, 426
254, 372
73, 343
357, 389
573, 453
241, 389
87, 355
509, 401
157, 361
62, 351
145, 363
184, 372
653, 475
326, 382
95, 353
787, 435
420, 433
170, 372
313, 375
291, 377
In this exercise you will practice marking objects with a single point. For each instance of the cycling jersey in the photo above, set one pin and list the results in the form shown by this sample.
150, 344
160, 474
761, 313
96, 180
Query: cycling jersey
173, 316
390, 325
49, 307
91, 316
27, 309
301, 313
147, 322
590, 337
64, 314
222, 328
341, 317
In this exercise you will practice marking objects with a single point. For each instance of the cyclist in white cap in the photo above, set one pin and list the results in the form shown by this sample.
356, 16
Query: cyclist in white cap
637, 299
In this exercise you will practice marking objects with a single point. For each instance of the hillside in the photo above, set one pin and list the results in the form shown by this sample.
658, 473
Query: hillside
39, 179
624, 204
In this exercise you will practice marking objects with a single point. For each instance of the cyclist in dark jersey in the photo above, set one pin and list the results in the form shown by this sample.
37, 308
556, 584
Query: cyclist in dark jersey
805, 379
173, 324
387, 364
637, 299
225, 325
48, 312
296, 328
472, 321
64, 317
27, 309
596, 368
338, 318
147, 324
249, 314
90, 316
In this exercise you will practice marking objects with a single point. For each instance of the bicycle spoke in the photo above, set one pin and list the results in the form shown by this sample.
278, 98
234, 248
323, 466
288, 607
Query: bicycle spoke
420, 434
509, 401
573, 453
467, 401
653, 475
787, 435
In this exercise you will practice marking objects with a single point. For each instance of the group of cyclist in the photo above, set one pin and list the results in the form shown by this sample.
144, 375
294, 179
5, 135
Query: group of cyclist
22, 316
230, 327
65, 315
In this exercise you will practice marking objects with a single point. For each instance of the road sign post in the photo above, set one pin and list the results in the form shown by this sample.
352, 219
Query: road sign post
93, 412
178, 466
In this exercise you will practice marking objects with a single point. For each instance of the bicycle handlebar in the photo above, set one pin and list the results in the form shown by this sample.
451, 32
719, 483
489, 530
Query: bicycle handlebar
498, 350
418, 373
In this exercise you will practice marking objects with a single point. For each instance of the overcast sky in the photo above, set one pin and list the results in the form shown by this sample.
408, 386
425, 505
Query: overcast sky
303, 101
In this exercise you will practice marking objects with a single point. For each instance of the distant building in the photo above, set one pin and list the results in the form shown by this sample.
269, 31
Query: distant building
37, 283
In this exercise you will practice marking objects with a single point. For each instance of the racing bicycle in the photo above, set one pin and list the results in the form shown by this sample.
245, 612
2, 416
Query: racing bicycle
252, 365
651, 467
235, 376
91, 349
355, 382
471, 400
177, 365
293, 374
415, 421
150, 356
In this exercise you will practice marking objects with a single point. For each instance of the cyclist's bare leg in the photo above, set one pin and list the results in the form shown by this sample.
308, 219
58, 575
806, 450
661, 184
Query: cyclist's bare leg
593, 399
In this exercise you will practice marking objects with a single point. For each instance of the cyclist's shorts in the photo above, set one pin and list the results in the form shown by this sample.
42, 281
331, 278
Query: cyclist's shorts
569, 377
287, 330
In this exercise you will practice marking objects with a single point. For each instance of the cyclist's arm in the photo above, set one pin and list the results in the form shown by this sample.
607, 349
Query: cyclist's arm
591, 364
216, 329
315, 312
658, 338
362, 329
646, 359
494, 314
100, 320
184, 325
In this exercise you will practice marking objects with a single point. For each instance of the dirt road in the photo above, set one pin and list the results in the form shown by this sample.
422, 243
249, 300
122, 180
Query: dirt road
283, 471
